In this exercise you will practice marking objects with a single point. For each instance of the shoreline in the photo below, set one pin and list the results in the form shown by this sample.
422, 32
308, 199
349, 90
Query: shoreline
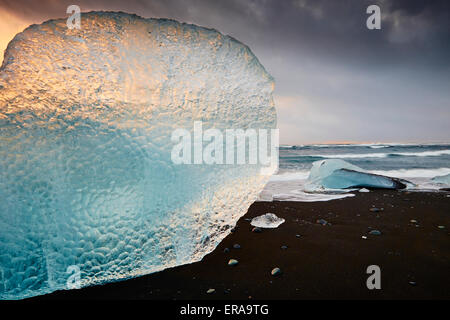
323, 262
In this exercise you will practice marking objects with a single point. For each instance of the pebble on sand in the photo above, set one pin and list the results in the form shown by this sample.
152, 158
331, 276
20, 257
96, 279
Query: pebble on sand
226, 250
236, 246
322, 222
211, 291
233, 262
275, 271
284, 247
413, 221
375, 232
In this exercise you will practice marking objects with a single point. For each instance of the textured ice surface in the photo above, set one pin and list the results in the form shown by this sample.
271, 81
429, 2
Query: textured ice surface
338, 174
86, 177
268, 220
442, 179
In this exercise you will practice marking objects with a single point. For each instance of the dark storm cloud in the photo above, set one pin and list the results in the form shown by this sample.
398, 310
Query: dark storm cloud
320, 26
329, 68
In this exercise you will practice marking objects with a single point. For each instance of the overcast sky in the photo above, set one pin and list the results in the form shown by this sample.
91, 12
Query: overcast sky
336, 80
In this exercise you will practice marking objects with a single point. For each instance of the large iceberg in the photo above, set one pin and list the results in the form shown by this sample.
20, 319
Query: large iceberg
334, 174
87, 185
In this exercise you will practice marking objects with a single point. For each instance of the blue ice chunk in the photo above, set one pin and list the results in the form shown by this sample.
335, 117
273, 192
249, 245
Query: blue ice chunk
339, 174
88, 191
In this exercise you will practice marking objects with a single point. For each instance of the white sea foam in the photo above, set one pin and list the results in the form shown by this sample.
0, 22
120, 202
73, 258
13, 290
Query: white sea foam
413, 173
370, 145
349, 155
424, 153
375, 145
289, 176
301, 196
289, 186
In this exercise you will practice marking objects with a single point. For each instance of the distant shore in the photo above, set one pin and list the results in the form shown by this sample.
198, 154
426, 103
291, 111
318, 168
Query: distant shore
317, 261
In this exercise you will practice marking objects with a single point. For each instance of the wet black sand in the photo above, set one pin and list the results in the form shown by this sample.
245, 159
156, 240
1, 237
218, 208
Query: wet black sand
324, 262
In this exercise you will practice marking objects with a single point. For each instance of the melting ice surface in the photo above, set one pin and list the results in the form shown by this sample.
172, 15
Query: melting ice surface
339, 174
268, 220
86, 177
444, 180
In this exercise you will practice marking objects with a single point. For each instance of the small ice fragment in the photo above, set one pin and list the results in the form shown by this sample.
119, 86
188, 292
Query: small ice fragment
232, 262
364, 190
275, 271
268, 220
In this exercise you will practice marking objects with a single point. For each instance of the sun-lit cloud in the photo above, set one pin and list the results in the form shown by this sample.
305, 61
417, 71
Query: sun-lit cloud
10, 25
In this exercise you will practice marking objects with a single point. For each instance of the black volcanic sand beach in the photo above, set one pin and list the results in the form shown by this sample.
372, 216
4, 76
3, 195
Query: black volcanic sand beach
323, 262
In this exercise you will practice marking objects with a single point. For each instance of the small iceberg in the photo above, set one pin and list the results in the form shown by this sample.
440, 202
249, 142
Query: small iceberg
332, 174
268, 220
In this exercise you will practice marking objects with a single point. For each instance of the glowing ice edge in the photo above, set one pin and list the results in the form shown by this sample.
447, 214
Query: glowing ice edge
86, 118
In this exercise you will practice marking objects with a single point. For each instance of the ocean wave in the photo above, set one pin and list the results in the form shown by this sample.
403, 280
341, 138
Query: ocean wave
289, 176
413, 173
423, 153
371, 145
399, 173
379, 155
375, 145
